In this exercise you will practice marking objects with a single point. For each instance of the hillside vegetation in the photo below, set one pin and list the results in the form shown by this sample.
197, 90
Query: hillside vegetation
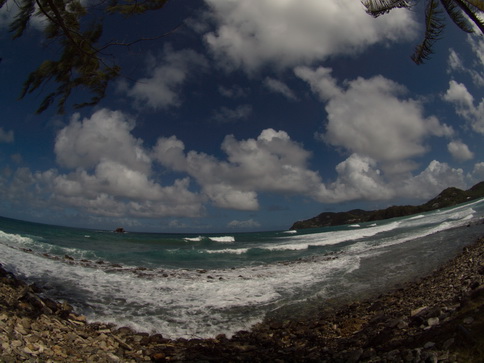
447, 198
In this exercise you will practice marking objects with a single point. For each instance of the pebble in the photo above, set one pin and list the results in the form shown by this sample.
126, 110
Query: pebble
377, 330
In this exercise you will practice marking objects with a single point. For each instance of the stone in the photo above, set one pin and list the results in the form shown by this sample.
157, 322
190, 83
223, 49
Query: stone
433, 321
417, 311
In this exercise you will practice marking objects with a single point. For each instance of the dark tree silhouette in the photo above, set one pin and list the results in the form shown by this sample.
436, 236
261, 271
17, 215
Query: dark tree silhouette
464, 13
83, 59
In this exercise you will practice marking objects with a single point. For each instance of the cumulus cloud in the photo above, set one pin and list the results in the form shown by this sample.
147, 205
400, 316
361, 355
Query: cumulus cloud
6, 136
436, 177
279, 87
271, 163
358, 178
252, 33
454, 61
464, 105
459, 150
477, 46
476, 70
162, 88
106, 135
478, 172
111, 172
373, 117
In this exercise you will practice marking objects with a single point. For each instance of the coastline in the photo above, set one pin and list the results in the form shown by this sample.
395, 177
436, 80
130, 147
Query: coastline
435, 318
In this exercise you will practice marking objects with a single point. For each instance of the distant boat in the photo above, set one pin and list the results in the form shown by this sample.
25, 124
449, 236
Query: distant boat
119, 230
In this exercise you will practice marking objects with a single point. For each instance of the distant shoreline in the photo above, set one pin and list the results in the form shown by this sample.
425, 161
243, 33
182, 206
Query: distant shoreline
437, 316
447, 198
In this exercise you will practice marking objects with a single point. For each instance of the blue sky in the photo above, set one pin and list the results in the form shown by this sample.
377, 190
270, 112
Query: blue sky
250, 116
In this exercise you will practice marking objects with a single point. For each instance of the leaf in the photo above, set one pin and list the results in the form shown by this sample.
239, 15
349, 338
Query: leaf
472, 12
132, 7
380, 7
455, 13
76, 32
434, 25
22, 19
479, 4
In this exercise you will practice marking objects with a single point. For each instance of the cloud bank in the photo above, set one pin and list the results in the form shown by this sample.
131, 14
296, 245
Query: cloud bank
253, 33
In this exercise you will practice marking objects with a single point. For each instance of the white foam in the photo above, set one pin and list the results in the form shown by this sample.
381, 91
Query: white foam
302, 242
234, 251
223, 239
291, 231
183, 304
193, 239
15, 240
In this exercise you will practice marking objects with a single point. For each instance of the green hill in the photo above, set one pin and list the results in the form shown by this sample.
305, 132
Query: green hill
449, 197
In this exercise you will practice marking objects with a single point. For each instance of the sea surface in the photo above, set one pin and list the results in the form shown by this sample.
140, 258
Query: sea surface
201, 285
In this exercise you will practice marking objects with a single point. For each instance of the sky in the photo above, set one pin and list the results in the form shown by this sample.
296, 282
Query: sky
249, 116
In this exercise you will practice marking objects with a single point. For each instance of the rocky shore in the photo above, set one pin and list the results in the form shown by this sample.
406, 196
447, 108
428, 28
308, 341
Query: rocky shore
439, 318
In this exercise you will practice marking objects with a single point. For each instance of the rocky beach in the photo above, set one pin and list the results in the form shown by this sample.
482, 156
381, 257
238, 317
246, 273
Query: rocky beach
438, 318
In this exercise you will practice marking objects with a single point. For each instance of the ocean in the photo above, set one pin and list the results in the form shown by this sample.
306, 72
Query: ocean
202, 285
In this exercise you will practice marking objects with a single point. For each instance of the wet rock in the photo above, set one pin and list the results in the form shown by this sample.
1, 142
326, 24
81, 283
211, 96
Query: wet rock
434, 317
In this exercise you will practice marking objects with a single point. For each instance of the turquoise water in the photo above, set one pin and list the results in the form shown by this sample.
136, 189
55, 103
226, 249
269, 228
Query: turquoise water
200, 285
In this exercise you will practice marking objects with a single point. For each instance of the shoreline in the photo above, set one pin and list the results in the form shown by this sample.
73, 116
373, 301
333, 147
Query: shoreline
439, 317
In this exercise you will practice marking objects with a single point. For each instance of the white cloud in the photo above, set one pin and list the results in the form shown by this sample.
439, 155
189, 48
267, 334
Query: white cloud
321, 82
112, 172
477, 46
459, 150
271, 163
250, 223
162, 88
476, 71
6, 136
431, 181
358, 179
279, 87
463, 101
9, 11
478, 172
106, 135
458, 94
455, 62
372, 117
7, 14
230, 197
286, 33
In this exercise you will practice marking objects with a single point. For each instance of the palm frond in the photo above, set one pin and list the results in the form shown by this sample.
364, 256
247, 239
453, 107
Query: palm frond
479, 4
455, 13
472, 12
434, 25
379, 7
